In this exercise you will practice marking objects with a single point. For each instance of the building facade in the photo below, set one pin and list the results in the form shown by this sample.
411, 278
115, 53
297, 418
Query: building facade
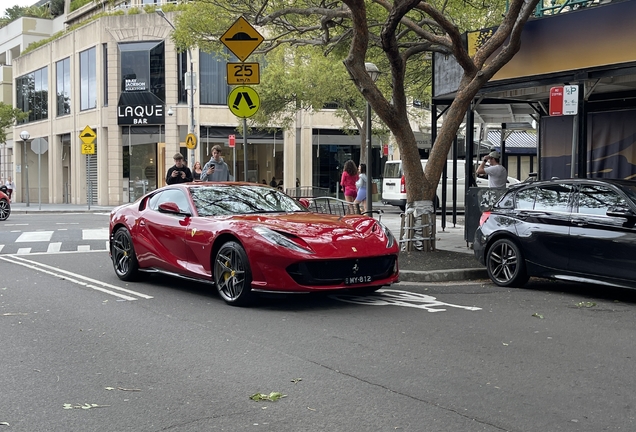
120, 78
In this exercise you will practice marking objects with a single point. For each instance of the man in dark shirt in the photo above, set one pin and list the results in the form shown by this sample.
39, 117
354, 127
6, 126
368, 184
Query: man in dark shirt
179, 173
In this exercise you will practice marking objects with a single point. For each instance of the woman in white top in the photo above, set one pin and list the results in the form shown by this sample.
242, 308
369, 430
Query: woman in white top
10, 184
361, 184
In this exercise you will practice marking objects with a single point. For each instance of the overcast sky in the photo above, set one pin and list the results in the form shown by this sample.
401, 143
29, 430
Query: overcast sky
4, 4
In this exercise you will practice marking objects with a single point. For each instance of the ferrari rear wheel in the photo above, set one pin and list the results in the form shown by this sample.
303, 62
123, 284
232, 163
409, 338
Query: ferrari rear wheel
232, 274
123, 254
5, 209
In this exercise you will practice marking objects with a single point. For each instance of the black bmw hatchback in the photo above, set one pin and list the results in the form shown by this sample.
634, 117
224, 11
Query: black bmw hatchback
576, 229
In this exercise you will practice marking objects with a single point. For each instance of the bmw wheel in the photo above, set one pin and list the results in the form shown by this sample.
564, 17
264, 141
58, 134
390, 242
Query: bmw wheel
232, 274
5, 209
123, 254
505, 264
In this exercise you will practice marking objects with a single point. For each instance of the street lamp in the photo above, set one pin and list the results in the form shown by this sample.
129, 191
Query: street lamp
25, 138
374, 73
191, 100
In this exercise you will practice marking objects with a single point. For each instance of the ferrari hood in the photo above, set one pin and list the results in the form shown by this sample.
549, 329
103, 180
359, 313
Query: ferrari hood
314, 227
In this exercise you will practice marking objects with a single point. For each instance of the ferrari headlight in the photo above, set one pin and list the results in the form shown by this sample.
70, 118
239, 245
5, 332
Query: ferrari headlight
390, 240
278, 239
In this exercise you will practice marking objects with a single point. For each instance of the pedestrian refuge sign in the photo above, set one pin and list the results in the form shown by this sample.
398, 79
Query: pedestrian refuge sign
243, 101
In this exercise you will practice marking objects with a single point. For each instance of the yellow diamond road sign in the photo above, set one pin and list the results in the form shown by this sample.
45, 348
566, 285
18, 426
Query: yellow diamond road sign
243, 101
242, 39
88, 135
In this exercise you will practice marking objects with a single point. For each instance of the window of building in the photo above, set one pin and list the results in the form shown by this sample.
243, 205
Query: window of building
63, 90
88, 79
143, 68
182, 68
105, 72
32, 91
213, 86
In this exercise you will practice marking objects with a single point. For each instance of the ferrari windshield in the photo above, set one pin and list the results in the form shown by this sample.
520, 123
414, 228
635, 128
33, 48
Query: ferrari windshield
223, 200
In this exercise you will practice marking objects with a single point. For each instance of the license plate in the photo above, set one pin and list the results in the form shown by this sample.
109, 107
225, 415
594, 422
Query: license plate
357, 280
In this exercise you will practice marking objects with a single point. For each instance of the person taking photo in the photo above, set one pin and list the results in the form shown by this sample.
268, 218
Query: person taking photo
179, 173
216, 169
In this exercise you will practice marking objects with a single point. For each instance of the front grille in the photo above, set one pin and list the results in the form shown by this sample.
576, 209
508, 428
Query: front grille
334, 272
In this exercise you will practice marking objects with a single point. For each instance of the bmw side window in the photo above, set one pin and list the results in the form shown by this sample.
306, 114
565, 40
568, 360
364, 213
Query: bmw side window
554, 198
595, 200
525, 198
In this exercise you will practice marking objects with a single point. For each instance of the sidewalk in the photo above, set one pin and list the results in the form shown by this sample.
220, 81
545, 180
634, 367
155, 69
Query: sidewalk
452, 261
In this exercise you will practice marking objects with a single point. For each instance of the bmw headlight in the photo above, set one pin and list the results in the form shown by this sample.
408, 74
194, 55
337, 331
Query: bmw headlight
279, 239
390, 240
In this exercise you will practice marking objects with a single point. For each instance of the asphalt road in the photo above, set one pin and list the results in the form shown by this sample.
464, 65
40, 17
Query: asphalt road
162, 355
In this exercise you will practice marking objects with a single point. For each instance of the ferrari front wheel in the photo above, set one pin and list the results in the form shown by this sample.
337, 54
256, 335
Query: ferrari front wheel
123, 254
232, 275
5, 209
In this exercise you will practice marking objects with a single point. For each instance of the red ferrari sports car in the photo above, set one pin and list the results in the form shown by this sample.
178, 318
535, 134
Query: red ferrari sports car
247, 238
5, 204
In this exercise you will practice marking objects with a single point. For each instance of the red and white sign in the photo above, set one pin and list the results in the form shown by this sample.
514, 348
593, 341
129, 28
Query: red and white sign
564, 100
231, 140
556, 101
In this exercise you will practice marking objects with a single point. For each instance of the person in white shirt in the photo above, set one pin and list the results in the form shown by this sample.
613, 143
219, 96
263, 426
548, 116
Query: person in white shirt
497, 174
10, 184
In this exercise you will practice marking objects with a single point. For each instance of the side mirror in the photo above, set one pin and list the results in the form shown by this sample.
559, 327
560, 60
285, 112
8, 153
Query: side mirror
169, 207
619, 211
304, 202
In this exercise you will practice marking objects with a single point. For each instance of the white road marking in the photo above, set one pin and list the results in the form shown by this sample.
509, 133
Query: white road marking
390, 297
1, 247
54, 247
66, 223
24, 251
75, 278
83, 248
35, 236
95, 234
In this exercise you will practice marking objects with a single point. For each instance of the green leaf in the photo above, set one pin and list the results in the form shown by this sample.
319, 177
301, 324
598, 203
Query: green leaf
273, 396
586, 304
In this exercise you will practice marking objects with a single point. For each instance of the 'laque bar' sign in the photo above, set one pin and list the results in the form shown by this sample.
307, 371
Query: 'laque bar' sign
140, 114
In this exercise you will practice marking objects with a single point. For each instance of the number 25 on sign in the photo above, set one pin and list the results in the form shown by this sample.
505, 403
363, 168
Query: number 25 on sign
88, 148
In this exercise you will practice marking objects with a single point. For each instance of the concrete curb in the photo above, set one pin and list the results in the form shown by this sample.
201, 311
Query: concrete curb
443, 275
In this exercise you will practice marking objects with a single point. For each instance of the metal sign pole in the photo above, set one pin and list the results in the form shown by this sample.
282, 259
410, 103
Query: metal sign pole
26, 172
244, 149
39, 173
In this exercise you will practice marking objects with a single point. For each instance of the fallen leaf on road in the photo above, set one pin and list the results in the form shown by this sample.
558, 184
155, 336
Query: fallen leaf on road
536, 315
273, 396
586, 304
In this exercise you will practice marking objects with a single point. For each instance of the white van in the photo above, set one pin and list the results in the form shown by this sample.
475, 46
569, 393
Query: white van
394, 186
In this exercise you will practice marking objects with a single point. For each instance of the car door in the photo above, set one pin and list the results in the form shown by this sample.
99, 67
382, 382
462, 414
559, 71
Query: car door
165, 232
602, 245
544, 213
